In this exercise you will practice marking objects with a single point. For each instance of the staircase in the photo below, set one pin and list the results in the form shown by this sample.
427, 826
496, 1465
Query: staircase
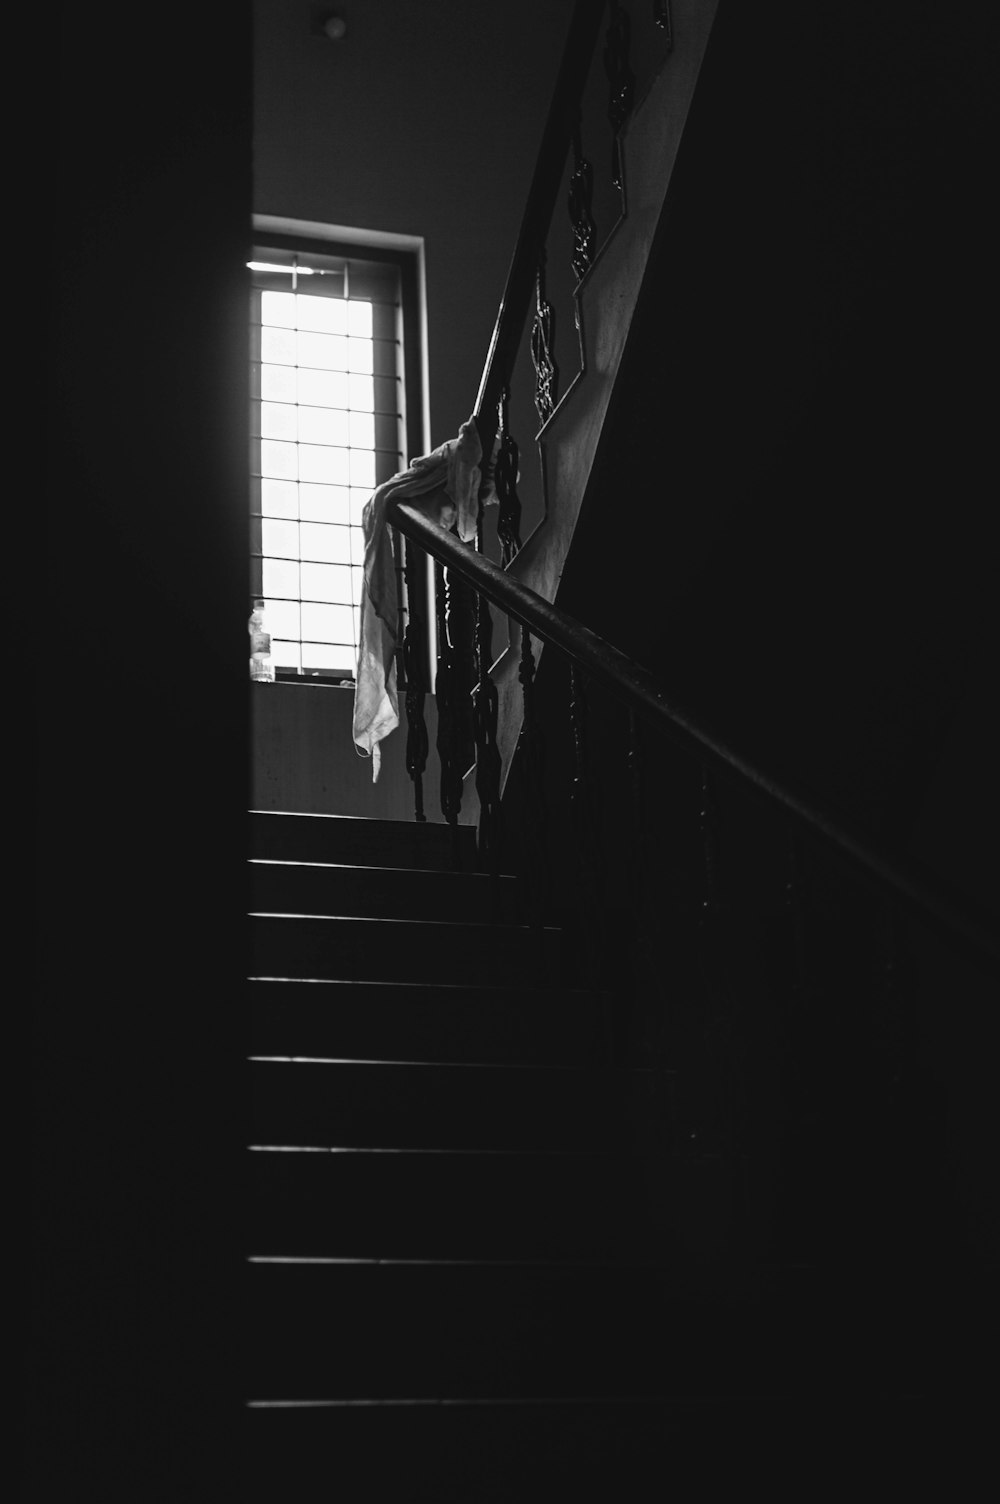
462, 1279
481, 1263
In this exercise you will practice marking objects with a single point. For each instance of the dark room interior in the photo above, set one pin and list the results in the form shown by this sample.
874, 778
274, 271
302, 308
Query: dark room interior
739, 909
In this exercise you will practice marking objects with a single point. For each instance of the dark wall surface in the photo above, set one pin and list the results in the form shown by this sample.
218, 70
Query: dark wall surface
141, 762
794, 482
423, 121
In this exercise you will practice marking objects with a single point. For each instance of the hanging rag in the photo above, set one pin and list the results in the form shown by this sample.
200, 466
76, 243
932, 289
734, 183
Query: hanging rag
451, 487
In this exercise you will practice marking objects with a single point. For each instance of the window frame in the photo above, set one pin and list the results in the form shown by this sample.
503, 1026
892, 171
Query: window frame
308, 242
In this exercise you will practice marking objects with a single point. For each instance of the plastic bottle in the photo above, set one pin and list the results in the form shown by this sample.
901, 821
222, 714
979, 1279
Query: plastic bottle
261, 665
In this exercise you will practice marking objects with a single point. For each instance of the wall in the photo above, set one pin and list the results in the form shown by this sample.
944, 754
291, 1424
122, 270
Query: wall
425, 121
792, 476
303, 758
133, 1121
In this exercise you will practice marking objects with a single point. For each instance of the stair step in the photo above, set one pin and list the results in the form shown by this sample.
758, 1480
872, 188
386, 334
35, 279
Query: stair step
389, 892
459, 1452
405, 1106
447, 1205
429, 1331
396, 950
277, 836
407, 1021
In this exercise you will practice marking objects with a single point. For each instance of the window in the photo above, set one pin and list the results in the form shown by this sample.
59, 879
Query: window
328, 424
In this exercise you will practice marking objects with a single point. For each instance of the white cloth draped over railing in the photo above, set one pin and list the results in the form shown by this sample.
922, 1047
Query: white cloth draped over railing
448, 485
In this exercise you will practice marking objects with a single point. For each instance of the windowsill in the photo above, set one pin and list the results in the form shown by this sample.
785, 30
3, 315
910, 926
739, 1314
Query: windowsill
318, 683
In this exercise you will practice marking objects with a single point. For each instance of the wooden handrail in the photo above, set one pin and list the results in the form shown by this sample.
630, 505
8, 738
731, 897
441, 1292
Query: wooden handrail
637, 688
519, 288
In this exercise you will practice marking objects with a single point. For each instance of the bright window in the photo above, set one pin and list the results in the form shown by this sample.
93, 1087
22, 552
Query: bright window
327, 425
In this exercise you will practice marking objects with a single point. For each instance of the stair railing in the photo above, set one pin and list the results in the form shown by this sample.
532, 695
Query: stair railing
467, 736
856, 966
644, 697
460, 624
887, 935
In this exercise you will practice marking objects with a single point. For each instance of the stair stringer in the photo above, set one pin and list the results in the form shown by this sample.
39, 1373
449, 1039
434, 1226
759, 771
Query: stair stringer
605, 303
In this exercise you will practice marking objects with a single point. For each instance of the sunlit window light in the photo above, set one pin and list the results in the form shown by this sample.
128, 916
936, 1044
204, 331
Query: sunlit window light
319, 449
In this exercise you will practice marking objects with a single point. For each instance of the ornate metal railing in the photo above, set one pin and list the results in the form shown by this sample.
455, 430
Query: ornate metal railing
645, 700
467, 581
824, 1027
842, 913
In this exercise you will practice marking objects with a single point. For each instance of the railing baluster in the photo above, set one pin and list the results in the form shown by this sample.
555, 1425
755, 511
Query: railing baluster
890, 1014
582, 795
417, 741
451, 791
505, 479
581, 191
640, 835
797, 1024
542, 340
709, 827
485, 710
622, 81
531, 759
664, 21
590, 858
455, 738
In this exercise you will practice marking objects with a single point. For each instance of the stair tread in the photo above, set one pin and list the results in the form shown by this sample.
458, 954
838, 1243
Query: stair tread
340, 947
457, 1448
345, 838
447, 1204
516, 1330
424, 1022
286, 886
415, 924
399, 1104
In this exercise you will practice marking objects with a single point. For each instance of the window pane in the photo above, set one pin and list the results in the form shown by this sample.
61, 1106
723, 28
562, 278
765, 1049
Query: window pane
283, 619
321, 655
362, 393
359, 319
328, 351
277, 383
322, 582
362, 468
324, 388
279, 498
277, 346
286, 654
325, 503
362, 431
321, 382
278, 308
327, 623
324, 425
278, 460
331, 467
337, 587
280, 539
281, 577
359, 355
278, 421
324, 315
331, 545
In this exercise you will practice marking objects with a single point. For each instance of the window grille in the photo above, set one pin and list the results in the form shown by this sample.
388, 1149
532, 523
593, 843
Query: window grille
327, 425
